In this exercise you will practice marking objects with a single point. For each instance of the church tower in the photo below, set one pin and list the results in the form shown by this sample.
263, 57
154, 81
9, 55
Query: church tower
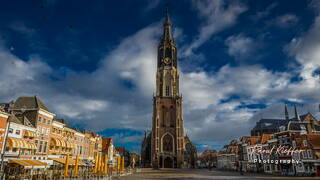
167, 139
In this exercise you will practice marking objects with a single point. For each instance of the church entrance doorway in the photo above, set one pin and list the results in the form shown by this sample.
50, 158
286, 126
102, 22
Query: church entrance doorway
168, 163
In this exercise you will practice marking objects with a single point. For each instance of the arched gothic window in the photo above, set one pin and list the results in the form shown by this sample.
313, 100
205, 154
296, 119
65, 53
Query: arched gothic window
167, 143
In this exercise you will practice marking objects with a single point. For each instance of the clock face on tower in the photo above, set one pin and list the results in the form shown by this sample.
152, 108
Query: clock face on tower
167, 60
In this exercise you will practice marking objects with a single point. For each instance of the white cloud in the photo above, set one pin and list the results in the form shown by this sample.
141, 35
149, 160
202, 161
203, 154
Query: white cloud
306, 50
217, 15
240, 46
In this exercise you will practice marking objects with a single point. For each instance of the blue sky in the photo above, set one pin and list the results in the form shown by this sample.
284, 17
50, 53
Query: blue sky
93, 63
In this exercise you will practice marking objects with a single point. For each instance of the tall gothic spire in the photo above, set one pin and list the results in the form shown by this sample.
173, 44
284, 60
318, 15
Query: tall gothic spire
167, 32
296, 114
286, 112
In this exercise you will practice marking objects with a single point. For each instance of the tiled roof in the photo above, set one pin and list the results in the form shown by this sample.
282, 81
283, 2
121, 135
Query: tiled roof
29, 103
270, 124
275, 123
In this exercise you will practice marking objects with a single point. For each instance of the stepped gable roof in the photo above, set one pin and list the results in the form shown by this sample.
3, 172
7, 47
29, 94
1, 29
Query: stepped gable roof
314, 140
29, 103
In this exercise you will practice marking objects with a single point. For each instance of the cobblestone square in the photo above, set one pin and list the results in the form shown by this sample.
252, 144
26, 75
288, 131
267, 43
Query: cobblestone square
203, 174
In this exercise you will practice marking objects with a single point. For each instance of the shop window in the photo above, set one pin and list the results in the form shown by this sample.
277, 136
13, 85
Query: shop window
18, 132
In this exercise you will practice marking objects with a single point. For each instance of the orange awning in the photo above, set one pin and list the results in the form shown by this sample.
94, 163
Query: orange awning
24, 144
63, 143
69, 144
56, 142
33, 146
13, 142
28, 163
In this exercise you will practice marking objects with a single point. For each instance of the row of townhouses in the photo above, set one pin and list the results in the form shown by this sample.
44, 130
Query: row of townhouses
32, 137
289, 146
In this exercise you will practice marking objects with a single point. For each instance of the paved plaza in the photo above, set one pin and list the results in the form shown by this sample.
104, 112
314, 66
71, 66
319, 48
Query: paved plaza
203, 174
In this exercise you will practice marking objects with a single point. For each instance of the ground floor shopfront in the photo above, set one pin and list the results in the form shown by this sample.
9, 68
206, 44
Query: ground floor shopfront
58, 168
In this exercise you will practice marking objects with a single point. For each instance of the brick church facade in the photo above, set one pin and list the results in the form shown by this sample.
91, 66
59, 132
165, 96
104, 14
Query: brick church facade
167, 136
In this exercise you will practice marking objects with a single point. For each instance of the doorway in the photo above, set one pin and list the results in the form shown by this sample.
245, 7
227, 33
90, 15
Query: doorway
168, 163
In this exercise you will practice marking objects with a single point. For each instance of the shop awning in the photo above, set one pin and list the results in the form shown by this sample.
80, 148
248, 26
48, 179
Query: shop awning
56, 142
72, 162
72, 145
33, 146
30, 134
20, 143
24, 144
13, 142
63, 143
28, 163
69, 144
